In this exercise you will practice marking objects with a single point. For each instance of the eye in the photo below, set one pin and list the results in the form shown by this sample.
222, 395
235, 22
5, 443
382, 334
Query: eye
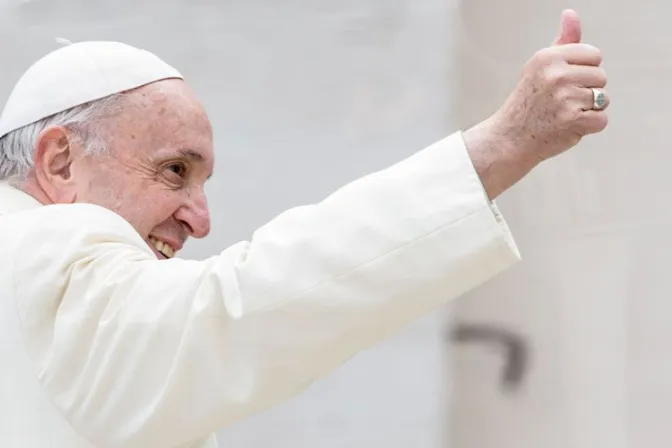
178, 169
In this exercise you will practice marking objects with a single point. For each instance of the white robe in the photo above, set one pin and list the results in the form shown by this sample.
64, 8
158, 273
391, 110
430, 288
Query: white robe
102, 345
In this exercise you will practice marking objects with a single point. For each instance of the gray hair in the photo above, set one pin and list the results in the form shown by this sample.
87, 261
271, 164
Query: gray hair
85, 121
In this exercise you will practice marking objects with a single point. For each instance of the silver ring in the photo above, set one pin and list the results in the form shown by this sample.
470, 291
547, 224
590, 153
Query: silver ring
599, 99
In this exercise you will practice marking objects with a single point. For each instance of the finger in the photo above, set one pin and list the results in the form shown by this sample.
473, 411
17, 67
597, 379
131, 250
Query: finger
587, 76
580, 54
593, 121
570, 28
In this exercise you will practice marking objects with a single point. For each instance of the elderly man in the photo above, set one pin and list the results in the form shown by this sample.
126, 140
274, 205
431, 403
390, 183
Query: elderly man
108, 340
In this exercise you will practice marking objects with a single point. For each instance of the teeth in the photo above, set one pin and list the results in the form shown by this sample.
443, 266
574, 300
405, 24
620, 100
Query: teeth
162, 247
168, 251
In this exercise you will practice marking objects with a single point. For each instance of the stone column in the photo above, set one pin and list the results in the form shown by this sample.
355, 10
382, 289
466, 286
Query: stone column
590, 301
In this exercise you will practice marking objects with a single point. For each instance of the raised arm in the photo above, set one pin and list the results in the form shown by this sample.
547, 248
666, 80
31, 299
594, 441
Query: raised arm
139, 352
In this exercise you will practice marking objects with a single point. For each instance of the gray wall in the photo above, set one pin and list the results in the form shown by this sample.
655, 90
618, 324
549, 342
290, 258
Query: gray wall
304, 97
592, 295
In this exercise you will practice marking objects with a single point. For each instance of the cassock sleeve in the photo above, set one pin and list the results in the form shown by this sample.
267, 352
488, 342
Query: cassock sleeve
137, 352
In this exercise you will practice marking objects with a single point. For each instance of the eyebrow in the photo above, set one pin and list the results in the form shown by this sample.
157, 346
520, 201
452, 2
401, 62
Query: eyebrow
194, 156
191, 154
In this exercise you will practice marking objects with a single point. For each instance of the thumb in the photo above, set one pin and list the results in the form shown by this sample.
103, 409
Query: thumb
570, 28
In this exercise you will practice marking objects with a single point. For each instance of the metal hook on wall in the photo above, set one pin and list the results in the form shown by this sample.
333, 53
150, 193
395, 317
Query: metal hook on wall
513, 345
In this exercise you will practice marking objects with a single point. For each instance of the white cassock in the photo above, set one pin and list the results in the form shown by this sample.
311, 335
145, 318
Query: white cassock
102, 345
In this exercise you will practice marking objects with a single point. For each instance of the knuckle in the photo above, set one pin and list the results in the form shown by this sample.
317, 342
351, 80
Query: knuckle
575, 116
597, 54
564, 95
541, 54
569, 118
600, 77
591, 50
590, 47
583, 54
556, 75
544, 57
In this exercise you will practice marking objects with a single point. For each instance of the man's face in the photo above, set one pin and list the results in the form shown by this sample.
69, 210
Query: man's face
160, 156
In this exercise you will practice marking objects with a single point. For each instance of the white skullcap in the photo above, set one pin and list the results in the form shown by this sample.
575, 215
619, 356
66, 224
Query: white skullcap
77, 74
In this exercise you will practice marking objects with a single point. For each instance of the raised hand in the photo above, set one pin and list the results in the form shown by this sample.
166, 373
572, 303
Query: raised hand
559, 97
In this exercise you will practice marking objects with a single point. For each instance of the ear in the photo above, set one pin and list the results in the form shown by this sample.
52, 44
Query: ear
56, 149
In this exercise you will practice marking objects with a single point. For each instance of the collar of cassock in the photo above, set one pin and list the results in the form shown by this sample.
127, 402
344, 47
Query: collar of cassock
14, 200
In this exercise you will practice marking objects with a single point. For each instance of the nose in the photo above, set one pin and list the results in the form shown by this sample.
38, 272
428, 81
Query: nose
195, 216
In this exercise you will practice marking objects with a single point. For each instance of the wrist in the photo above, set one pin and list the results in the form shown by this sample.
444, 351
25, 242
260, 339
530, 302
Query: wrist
500, 158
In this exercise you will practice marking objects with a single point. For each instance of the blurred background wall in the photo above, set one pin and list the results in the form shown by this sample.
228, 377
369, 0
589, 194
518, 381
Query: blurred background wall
591, 299
568, 349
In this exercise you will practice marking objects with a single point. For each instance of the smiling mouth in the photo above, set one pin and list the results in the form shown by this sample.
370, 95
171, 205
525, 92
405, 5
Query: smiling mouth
161, 247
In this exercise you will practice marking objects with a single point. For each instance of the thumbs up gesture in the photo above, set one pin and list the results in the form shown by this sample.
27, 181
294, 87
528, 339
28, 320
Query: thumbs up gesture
559, 98
570, 29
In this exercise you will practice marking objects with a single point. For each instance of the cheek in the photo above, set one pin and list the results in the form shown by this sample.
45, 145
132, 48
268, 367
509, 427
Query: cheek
106, 187
144, 203
155, 208
142, 206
